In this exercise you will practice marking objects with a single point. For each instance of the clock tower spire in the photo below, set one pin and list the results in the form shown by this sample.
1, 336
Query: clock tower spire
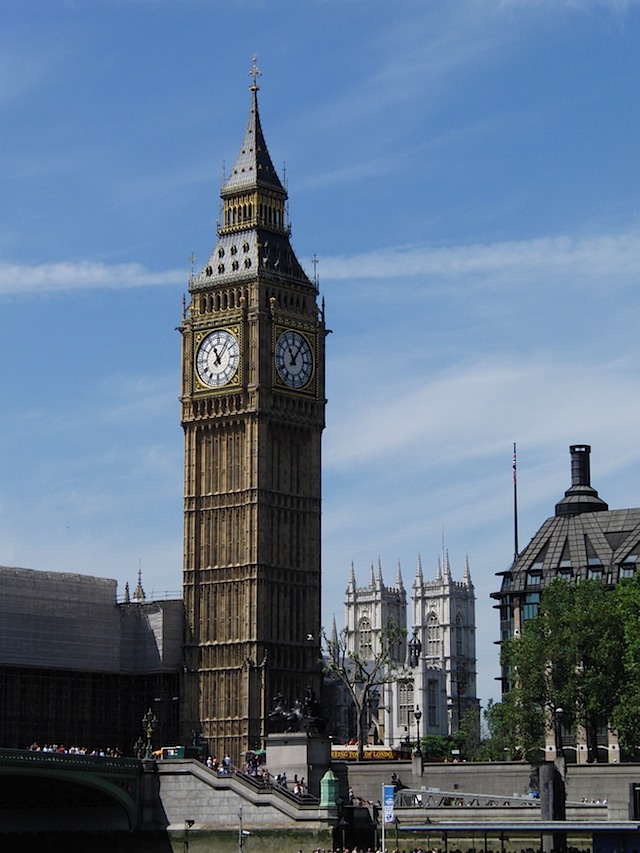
253, 414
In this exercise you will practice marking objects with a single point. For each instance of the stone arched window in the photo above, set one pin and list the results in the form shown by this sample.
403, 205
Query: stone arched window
433, 636
459, 636
405, 702
365, 638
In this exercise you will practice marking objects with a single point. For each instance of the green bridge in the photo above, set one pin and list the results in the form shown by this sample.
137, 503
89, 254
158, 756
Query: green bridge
47, 790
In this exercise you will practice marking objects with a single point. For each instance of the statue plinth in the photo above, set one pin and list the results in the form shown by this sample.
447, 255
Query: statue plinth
298, 754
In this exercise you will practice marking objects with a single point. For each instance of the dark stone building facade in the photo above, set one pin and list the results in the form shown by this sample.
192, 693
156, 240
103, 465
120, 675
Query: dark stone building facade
79, 669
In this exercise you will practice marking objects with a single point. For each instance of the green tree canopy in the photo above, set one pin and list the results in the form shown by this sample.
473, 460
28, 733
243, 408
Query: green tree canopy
571, 656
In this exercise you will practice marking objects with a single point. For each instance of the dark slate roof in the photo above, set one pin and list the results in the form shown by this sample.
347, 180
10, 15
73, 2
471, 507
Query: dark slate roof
577, 546
241, 255
253, 167
584, 539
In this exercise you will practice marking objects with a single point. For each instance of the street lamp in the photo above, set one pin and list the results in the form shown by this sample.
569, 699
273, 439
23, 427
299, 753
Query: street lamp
559, 713
149, 723
418, 715
414, 647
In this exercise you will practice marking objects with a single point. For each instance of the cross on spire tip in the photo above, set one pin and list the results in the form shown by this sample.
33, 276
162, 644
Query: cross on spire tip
254, 74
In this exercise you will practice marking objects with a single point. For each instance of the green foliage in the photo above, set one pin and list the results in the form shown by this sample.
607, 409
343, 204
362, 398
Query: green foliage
467, 738
578, 654
435, 747
626, 714
498, 745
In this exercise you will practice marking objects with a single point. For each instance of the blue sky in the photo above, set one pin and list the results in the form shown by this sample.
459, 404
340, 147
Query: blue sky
467, 174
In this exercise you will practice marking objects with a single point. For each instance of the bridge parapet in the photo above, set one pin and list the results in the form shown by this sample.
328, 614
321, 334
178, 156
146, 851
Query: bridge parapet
32, 784
90, 763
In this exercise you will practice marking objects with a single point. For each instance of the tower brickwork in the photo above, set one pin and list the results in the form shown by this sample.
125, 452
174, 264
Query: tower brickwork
253, 414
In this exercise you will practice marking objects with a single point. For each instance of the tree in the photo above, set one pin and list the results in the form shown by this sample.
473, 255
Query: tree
467, 737
362, 675
570, 657
435, 746
523, 706
626, 715
496, 746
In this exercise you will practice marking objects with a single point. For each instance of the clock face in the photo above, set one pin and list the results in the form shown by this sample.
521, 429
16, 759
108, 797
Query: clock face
294, 359
217, 358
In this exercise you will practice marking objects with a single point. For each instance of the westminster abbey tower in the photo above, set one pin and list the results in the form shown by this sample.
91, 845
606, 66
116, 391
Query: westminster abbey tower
253, 407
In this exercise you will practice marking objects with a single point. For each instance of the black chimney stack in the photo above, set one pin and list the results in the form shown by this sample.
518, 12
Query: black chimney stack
580, 467
580, 497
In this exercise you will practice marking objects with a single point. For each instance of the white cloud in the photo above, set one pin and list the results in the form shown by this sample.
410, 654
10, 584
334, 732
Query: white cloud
614, 257
19, 279
590, 257
488, 395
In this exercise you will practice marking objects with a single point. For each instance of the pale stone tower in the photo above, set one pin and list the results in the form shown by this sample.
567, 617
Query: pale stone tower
253, 413
440, 684
369, 610
445, 624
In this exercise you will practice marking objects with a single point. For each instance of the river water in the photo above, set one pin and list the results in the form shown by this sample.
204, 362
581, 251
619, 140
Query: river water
136, 842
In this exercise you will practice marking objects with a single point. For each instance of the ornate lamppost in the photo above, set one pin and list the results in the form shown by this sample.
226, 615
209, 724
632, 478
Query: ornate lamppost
149, 724
418, 715
557, 727
414, 647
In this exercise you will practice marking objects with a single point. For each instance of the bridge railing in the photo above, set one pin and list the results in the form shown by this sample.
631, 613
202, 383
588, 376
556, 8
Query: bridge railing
436, 798
99, 764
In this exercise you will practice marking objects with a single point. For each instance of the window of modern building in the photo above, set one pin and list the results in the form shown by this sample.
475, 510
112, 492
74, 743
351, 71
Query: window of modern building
534, 577
628, 566
531, 606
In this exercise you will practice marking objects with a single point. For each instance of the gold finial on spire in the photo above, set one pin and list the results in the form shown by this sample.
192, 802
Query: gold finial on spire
254, 74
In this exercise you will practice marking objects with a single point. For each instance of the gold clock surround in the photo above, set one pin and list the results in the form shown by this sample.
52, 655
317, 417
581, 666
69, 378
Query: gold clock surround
199, 338
280, 380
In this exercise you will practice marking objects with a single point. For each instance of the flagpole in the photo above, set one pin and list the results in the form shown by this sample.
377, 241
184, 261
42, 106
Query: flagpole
515, 504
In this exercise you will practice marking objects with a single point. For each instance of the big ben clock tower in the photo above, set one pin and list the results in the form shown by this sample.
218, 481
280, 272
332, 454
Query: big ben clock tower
253, 414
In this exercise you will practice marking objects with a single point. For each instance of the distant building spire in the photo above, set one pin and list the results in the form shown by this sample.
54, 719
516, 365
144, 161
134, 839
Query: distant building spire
467, 572
399, 582
352, 578
334, 633
138, 595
